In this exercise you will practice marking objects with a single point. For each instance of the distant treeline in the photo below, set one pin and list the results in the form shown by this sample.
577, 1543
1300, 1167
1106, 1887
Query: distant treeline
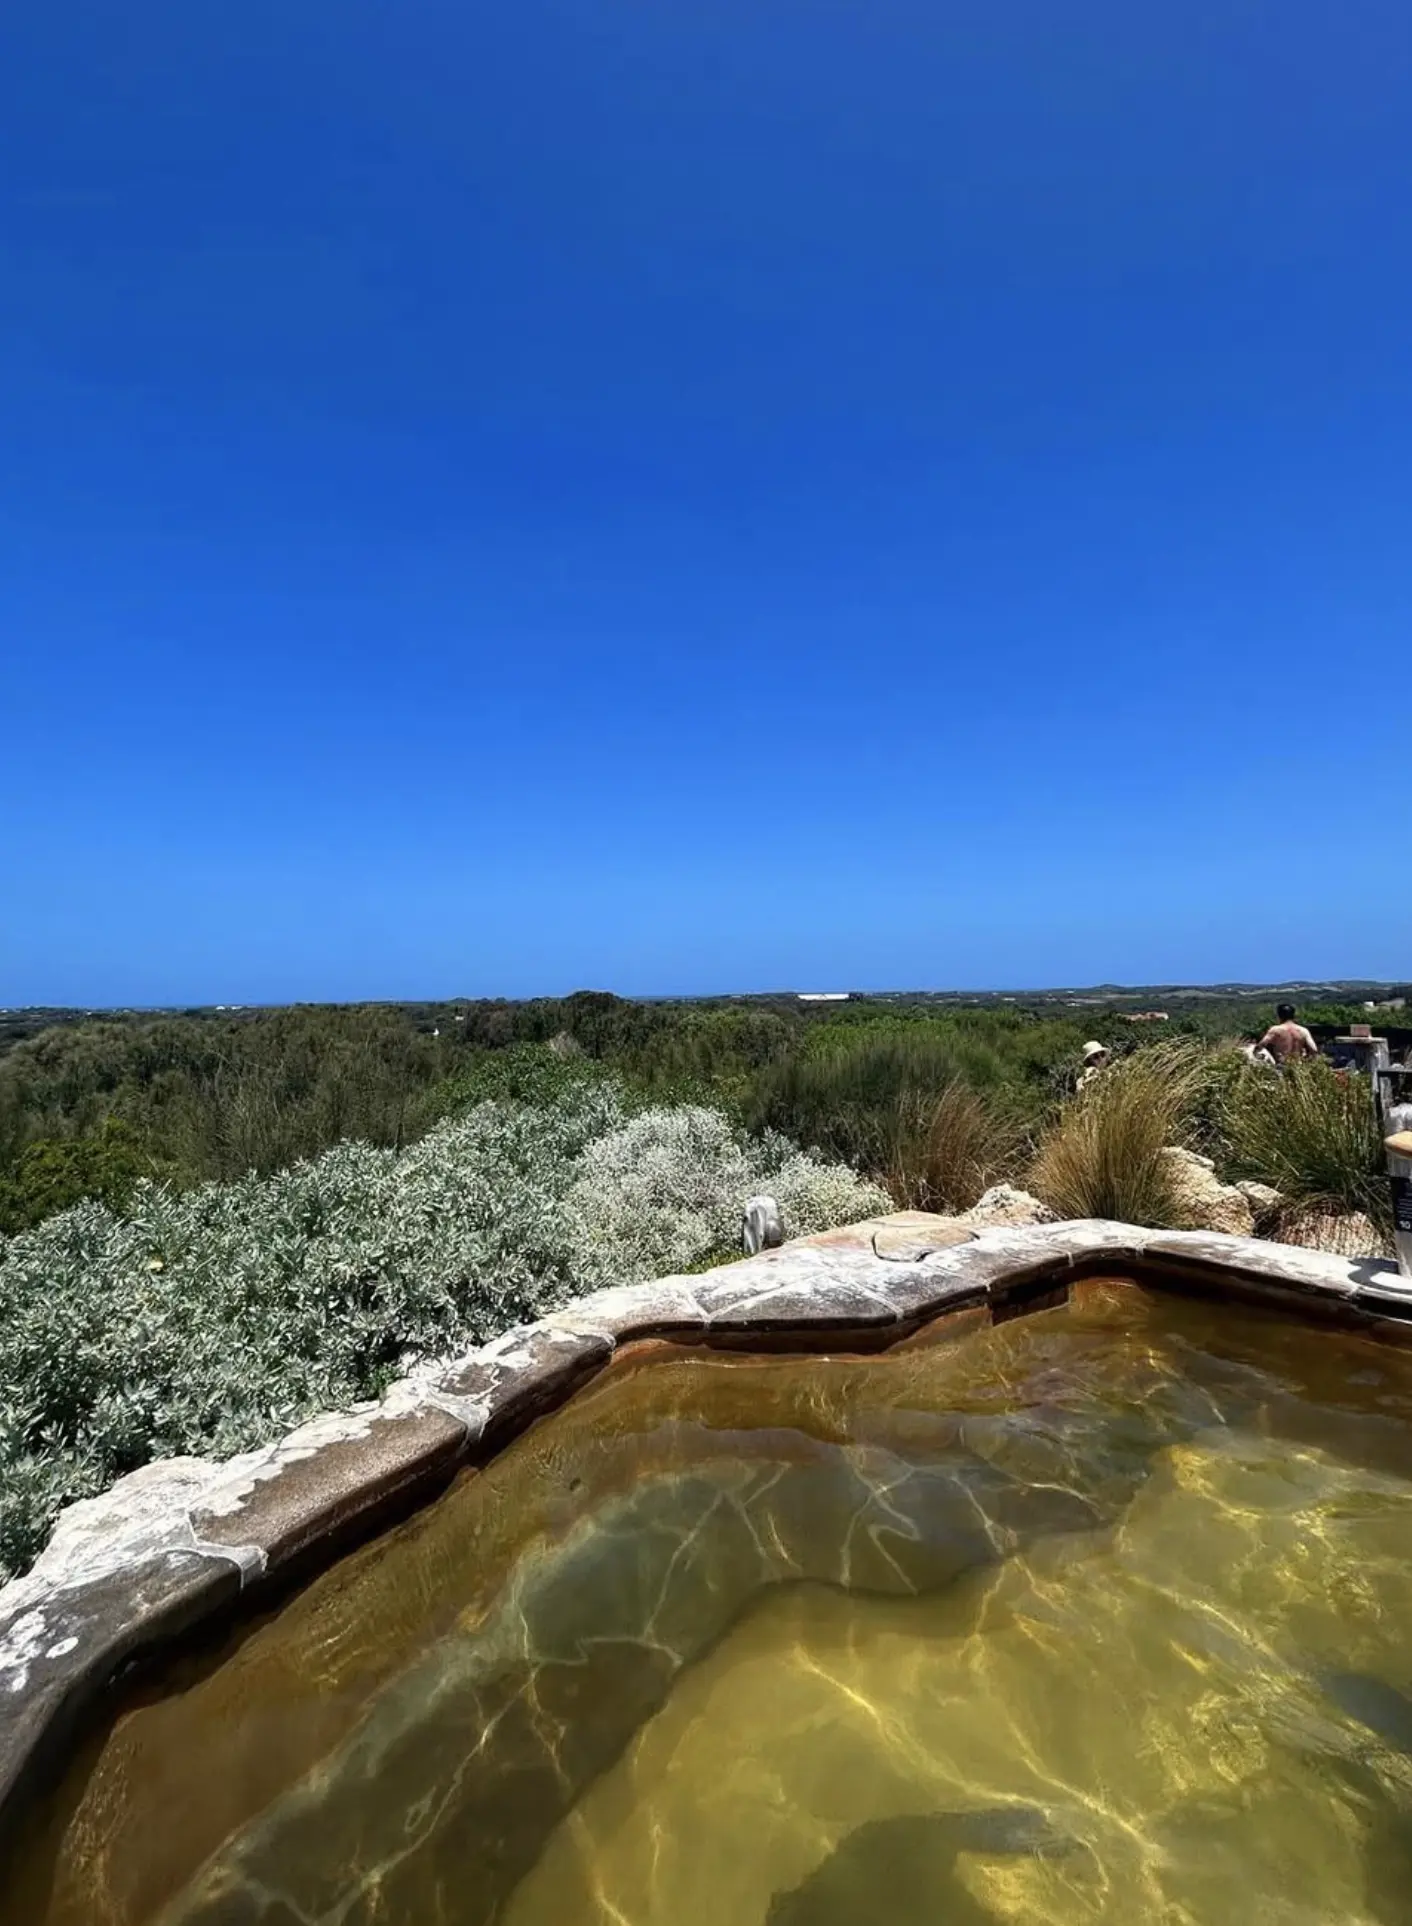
89, 1106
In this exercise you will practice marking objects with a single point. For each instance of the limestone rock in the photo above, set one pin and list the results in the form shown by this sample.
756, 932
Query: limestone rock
1189, 1159
1005, 1204
1264, 1200
1205, 1203
1343, 1234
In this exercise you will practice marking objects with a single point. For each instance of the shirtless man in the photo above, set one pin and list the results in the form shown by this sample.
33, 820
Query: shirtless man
1286, 1040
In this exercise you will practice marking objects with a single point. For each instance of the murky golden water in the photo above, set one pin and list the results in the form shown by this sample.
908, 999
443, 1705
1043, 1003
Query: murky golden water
1102, 1614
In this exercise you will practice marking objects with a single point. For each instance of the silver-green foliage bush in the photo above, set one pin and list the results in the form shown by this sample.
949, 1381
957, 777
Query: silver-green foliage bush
666, 1188
211, 1320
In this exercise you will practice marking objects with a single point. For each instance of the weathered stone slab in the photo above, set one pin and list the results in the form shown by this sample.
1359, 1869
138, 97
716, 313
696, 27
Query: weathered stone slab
507, 1384
60, 1647
666, 1308
323, 1494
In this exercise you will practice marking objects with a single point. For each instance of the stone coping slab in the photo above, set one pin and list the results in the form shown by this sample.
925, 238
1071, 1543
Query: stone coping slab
186, 1539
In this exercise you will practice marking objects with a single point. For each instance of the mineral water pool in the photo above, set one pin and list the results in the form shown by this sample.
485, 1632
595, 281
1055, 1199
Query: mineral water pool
1100, 1614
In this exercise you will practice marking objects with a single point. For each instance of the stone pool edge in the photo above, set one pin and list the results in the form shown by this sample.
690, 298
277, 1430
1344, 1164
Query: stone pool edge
184, 1540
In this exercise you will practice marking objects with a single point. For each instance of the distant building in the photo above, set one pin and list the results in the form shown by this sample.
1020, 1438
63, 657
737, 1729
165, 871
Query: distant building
1147, 1016
824, 996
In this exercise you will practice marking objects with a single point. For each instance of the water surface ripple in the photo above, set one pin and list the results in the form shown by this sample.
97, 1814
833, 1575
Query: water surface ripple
1102, 1614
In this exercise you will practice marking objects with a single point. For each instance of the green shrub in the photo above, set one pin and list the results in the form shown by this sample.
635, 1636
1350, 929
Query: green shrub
55, 1173
530, 1073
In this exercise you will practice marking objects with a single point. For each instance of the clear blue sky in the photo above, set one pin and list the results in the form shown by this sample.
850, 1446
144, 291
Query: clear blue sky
701, 496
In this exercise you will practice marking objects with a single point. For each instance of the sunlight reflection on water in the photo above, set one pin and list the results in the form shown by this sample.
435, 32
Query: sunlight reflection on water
1101, 1614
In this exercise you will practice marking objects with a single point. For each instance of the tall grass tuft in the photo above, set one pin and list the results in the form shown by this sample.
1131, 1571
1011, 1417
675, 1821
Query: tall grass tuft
936, 1124
947, 1147
1101, 1156
1313, 1133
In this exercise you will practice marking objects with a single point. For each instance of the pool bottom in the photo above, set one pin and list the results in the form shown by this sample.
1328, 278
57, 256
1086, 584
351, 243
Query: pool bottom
1056, 1619
1185, 1719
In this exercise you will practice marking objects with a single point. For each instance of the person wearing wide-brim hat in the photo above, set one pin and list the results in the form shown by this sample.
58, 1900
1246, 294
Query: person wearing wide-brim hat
1095, 1055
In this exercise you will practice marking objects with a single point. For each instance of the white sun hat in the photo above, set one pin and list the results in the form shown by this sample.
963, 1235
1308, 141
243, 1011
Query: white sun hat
1094, 1049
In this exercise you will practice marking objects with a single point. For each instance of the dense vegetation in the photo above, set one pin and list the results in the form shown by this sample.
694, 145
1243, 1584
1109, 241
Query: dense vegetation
221, 1222
217, 1317
934, 1097
88, 1109
1309, 1132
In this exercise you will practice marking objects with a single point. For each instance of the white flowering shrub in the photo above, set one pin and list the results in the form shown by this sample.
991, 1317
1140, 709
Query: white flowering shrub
214, 1319
668, 1187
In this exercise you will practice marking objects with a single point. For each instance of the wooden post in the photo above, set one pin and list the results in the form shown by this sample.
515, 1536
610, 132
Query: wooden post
1399, 1165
